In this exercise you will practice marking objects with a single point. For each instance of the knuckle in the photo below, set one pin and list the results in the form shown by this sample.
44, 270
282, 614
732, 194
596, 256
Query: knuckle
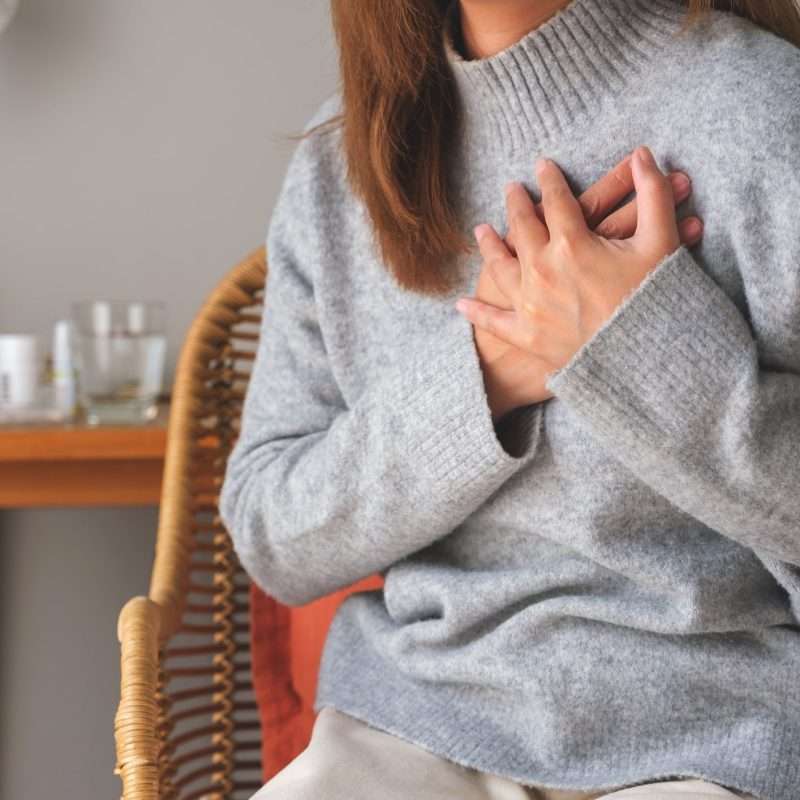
522, 212
495, 268
566, 248
534, 314
619, 178
559, 192
492, 264
498, 263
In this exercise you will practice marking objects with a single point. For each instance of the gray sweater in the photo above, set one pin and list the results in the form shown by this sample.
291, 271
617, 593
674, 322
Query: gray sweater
604, 588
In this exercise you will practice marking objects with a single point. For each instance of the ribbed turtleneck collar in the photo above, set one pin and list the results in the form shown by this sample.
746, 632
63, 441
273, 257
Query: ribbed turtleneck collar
560, 71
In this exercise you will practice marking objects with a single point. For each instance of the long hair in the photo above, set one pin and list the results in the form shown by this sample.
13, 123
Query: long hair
399, 113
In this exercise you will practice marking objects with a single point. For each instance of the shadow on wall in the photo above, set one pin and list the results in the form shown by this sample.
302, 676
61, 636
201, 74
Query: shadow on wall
45, 40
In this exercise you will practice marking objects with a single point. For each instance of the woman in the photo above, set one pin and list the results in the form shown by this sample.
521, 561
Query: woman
582, 490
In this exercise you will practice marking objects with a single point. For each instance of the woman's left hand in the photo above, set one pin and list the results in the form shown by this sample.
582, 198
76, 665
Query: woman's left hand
566, 281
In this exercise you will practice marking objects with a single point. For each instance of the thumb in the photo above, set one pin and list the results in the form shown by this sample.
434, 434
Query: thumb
655, 204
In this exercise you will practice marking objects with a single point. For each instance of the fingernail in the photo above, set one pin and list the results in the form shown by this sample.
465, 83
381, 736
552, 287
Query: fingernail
462, 304
511, 186
541, 165
681, 182
645, 156
480, 231
693, 227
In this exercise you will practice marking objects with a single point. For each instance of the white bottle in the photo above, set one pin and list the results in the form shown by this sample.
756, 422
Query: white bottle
64, 388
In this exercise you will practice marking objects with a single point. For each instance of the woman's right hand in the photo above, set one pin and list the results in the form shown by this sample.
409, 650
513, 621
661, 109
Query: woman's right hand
510, 373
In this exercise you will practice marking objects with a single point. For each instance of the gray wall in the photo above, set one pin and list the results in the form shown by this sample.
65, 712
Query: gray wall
141, 152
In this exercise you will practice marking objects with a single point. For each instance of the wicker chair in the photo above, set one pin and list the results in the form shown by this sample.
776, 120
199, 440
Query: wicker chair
187, 724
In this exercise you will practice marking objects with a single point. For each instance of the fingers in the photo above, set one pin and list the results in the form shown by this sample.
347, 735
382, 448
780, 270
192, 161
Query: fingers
622, 223
690, 230
510, 234
656, 222
528, 232
502, 265
497, 321
607, 192
563, 213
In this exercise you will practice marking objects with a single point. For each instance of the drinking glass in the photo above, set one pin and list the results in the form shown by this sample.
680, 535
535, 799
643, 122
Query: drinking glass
120, 348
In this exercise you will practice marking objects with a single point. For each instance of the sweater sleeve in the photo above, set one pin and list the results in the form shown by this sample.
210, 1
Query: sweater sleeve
318, 493
677, 387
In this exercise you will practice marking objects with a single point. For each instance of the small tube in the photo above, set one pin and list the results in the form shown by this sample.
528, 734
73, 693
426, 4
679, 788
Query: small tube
64, 389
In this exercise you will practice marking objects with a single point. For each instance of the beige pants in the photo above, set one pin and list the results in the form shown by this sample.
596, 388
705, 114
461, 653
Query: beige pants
347, 759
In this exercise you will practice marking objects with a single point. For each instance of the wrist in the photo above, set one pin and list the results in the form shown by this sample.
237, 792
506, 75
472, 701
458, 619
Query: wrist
502, 395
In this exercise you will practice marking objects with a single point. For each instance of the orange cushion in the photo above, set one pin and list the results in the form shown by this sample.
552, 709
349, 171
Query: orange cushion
286, 647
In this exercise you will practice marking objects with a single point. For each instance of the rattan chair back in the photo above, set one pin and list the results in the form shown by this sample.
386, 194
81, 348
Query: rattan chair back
187, 724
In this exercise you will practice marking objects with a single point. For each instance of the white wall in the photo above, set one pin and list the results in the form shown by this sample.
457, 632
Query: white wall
140, 155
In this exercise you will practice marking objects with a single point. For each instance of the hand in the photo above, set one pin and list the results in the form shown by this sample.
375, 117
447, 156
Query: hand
567, 280
508, 369
503, 364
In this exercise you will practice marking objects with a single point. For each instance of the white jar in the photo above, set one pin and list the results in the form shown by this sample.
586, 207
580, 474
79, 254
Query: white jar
19, 370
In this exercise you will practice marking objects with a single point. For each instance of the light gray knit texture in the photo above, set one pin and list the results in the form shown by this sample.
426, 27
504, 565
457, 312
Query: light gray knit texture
604, 589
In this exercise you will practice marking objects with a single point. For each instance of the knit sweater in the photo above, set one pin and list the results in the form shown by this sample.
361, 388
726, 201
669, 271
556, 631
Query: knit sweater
601, 589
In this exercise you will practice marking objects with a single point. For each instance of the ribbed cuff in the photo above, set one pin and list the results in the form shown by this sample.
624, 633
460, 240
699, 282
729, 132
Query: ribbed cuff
658, 365
446, 421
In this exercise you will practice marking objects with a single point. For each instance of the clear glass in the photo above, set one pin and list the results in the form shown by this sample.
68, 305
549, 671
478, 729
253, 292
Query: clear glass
119, 351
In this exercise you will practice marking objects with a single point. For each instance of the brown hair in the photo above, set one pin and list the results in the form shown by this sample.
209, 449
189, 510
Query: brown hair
400, 111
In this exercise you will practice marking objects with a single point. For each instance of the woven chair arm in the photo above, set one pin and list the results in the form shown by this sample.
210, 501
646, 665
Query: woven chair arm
135, 723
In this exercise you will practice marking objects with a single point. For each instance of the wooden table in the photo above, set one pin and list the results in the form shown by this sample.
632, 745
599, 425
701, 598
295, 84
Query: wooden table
74, 464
